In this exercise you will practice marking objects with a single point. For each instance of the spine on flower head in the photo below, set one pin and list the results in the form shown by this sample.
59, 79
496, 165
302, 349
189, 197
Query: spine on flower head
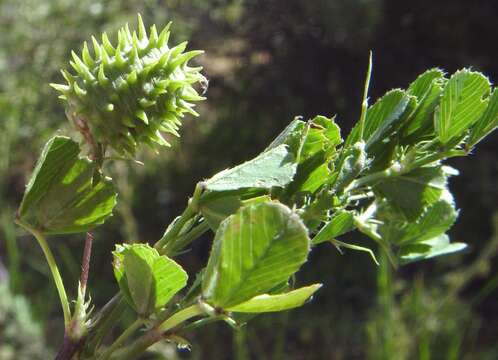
128, 94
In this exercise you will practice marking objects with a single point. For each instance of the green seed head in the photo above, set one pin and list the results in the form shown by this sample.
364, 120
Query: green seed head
128, 94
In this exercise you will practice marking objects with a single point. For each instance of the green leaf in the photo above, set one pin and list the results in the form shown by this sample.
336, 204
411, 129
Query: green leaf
147, 279
273, 168
315, 179
292, 136
270, 303
318, 149
341, 223
427, 249
424, 82
311, 174
61, 196
323, 135
384, 115
219, 208
461, 104
421, 122
355, 161
254, 250
381, 117
487, 123
434, 221
410, 193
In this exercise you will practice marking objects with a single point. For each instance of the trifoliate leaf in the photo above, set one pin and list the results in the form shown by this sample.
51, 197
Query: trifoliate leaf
147, 279
254, 250
61, 196
461, 105
271, 303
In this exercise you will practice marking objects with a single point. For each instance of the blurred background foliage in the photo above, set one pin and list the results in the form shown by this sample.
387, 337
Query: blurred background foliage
267, 61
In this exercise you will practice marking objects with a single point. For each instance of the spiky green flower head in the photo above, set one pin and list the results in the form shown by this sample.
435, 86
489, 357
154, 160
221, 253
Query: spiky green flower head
128, 94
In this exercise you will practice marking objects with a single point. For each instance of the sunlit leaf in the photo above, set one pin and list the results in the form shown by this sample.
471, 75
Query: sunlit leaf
427, 249
61, 196
147, 279
428, 93
381, 117
461, 105
341, 223
273, 168
292, 136
270, 303
487, 123
254, 250
424, 82
354, 163
323, 135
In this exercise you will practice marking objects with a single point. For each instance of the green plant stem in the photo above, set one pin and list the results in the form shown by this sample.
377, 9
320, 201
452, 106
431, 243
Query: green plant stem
181, 316
115, 307
106, 320
361, 225
158, 332
364, 104
372, 178
59, 284
400, 169
121, 339
173, 247
177, 225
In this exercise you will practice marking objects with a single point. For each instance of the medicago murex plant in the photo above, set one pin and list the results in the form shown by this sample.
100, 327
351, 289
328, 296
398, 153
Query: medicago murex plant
386, 179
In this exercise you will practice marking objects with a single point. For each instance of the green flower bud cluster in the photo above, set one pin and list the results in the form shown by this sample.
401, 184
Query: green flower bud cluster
128, 94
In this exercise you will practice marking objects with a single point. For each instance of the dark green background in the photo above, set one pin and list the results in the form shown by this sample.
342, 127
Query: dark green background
267, 62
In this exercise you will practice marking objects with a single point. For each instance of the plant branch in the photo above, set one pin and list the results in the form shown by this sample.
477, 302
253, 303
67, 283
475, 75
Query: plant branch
181, 316
121, 339
85, 262
173, 247
364, 104
106, 320
177, 225
158, 332
59, 284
